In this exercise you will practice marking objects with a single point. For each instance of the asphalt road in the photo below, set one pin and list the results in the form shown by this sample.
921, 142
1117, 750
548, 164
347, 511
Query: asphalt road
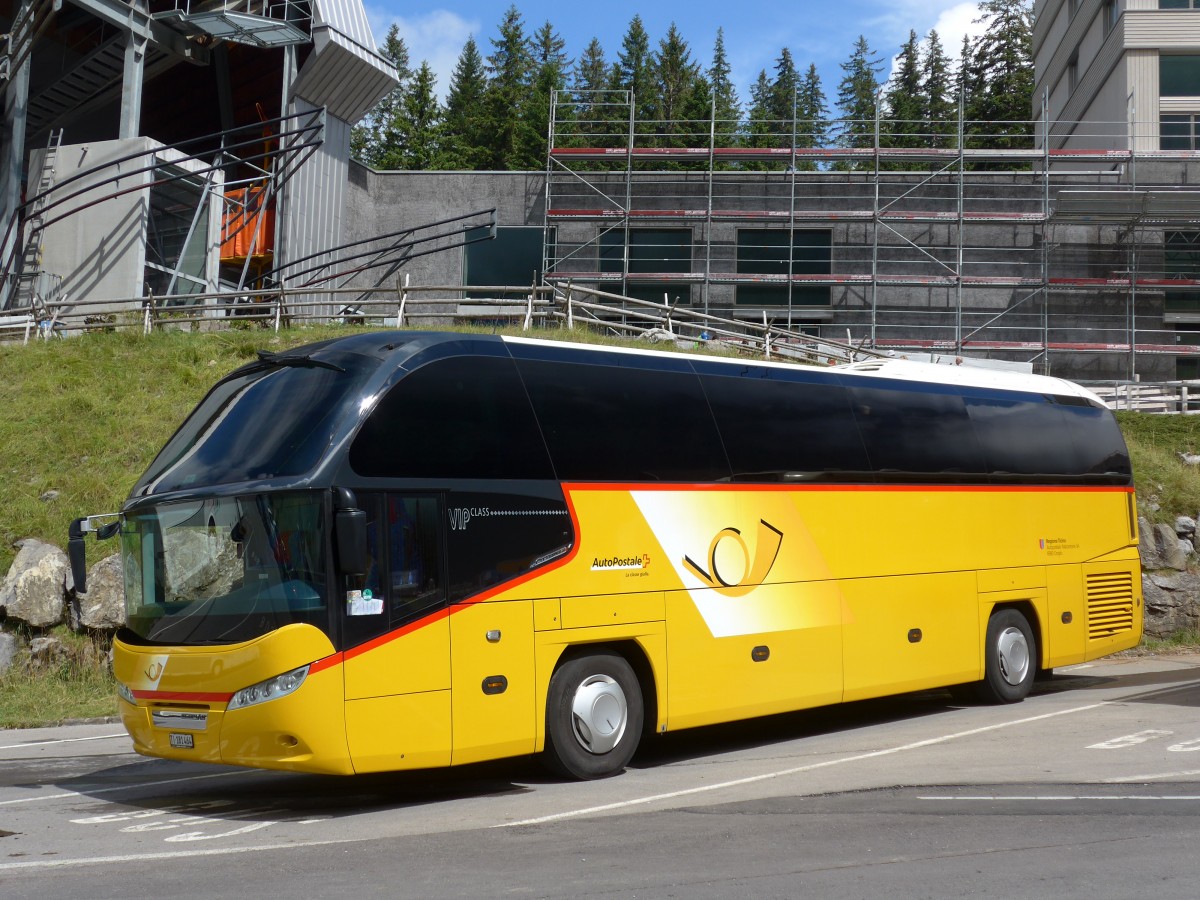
1087, 789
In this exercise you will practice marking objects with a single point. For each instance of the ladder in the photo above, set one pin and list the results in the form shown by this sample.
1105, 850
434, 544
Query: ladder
31, 258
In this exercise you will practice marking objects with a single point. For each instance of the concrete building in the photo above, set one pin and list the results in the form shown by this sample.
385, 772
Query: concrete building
157, 147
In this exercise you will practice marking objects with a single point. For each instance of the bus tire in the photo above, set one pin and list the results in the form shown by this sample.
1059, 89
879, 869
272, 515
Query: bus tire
594, 716
1010, 662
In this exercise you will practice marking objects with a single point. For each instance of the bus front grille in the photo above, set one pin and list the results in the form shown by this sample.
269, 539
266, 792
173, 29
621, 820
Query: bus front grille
1109, 604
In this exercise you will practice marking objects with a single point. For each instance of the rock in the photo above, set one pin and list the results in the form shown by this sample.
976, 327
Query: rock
48, 496
1147, 549
1185, 525
1170, 603
45, 652
8, 651
35, 588
102, 606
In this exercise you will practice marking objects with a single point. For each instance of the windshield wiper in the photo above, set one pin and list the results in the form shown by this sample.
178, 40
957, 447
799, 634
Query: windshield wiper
296, 361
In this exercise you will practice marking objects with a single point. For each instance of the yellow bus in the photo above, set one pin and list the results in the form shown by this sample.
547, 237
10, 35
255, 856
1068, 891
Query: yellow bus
405, 550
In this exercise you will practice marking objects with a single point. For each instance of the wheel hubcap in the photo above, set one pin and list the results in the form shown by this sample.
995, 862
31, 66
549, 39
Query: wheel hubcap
599, 714
1013, 653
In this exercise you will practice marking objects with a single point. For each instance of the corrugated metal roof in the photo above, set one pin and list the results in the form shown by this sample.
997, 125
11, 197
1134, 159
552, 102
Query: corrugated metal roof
347, 16
345, 72
343, 76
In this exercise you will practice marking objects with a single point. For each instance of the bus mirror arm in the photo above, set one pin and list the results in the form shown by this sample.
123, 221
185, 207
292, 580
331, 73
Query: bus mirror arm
77, 552
350, 534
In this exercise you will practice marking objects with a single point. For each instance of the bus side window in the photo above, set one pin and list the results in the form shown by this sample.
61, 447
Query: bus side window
414, 560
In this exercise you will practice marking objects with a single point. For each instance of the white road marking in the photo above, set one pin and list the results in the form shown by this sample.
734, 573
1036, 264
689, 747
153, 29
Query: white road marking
153, 857
989, 798
1185, 746
99, 737
67, 795
554, 817
1131, 740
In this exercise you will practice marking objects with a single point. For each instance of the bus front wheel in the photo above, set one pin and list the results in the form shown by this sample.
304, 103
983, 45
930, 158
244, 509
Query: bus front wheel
594, 716
1010, 662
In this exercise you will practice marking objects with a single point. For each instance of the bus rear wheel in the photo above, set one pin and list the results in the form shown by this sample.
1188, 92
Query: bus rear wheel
594, 716
1010, 662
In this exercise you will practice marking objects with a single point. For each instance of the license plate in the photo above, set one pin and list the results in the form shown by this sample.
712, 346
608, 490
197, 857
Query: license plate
182, 741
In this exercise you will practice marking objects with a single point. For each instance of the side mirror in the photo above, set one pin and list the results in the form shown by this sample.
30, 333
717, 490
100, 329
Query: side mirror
350, 534
77, 553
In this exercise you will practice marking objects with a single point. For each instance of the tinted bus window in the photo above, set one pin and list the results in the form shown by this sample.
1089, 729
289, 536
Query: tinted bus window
774, 429
613, 423
1099, 446
1023, 437
918, 432
462, 417
492, 537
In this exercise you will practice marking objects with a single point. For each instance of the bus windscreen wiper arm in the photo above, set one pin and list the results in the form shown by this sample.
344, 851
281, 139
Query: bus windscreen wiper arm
278, 359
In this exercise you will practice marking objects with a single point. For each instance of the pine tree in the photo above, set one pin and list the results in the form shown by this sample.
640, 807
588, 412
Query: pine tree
675, 73
376, 139
1002, 105
726, 108
938, 116
812, 113
462, 134
505, 122
422, 115
782, 102
903, 100
858, 96
594, 111
549, 77
633, 71
758, 119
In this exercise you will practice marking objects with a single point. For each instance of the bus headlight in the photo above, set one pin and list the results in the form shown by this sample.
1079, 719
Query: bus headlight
126, 694
271, 689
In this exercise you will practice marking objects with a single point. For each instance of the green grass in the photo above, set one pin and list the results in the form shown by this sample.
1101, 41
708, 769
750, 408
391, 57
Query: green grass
76, 686
1162, 479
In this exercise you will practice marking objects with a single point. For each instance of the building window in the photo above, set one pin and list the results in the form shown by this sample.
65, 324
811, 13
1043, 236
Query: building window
764, 251
1112, 12
1073, 71
512, 259
1179, 75
1179, 131
651, 250
1179, 4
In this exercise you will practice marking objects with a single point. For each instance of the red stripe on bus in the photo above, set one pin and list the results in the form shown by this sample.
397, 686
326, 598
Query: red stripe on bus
745, 487
183, 696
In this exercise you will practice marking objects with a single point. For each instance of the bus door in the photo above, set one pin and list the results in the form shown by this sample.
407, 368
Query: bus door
397, 639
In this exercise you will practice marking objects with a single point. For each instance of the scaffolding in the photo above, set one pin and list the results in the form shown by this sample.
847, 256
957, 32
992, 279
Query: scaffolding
960, 237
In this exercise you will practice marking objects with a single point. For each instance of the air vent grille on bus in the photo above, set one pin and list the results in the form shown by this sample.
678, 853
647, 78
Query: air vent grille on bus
1109, 604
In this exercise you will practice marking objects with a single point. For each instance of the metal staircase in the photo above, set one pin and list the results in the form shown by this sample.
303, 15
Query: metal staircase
97, 73
31, 257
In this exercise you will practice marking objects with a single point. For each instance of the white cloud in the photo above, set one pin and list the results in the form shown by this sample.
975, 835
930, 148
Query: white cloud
952, 23
436, 37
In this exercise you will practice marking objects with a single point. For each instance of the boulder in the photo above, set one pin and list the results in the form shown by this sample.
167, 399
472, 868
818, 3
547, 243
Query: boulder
45, 652
36, 586
102, 606
8, 651
1170, 549
1170, 602
1185, 526
1147, 548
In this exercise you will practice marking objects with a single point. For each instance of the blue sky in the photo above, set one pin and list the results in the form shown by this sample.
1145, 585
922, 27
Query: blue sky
816, 31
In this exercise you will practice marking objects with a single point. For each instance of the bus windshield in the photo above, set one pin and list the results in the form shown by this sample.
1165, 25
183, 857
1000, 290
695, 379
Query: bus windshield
224, 570
230, 438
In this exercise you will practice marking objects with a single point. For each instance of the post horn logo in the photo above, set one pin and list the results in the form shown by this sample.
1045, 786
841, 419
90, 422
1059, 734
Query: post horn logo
154, 671
753, 573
